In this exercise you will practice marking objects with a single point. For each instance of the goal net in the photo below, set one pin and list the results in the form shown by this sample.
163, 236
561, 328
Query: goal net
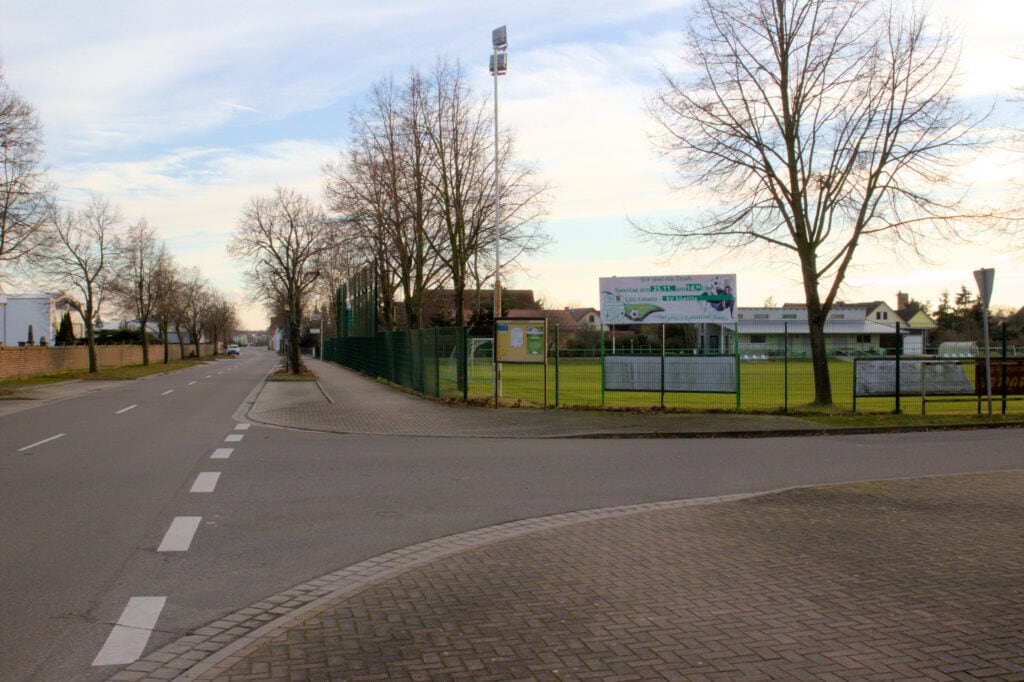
478, 352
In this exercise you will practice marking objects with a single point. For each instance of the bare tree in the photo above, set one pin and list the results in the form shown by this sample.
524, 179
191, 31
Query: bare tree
166, 298
461, 147
283, 237
815, 124
194, 302
79, 264
220, 319
26, 197
416, 190
462, 154
385, 181
135, 283
357, 192
337, 266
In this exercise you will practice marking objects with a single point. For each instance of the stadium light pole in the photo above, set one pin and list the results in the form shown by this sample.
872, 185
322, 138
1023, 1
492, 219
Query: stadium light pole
499, 65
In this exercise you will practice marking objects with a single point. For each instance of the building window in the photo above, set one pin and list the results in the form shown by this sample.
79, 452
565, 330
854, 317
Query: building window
839, 316
863, 338
789, 316
758, 338
881, 316
760, 316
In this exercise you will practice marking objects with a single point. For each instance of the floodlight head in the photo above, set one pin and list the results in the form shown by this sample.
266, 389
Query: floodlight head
499, 38
499, 64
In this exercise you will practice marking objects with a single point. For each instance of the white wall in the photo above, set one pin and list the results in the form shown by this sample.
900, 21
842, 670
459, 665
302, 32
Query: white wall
22, 311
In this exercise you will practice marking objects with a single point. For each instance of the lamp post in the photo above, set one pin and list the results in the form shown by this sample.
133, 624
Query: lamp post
499, 65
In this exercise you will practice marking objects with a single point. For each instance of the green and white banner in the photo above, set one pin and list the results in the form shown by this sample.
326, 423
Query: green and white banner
669, 299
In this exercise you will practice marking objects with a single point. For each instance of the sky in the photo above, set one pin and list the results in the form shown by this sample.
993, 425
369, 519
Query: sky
180, 112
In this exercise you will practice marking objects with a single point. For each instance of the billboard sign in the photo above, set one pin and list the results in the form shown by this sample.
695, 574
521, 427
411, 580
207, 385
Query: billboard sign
520, 340
669, 299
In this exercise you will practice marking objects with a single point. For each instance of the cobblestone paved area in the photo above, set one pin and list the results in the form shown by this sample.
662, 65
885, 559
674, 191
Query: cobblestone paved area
909, 579
346, 402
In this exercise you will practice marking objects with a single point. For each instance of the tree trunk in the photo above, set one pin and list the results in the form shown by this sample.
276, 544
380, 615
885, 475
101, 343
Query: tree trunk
293, 345
816, 317
145, 343
90, 339
166, 342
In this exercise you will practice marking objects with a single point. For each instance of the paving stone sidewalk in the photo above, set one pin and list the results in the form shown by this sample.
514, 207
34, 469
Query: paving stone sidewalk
908, 579
343, 401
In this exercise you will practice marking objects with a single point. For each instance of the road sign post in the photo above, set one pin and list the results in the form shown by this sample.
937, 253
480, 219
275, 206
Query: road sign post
985, 278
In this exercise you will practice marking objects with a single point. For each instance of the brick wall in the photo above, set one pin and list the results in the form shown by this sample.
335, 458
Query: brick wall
25, 362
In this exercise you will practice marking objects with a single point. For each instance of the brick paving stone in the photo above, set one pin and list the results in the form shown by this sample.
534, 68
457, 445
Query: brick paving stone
887, 580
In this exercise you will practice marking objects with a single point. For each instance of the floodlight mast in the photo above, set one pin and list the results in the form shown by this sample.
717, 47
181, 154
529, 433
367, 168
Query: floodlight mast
499, 66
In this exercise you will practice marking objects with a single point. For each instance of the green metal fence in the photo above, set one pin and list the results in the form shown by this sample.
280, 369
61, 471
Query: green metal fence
447, 363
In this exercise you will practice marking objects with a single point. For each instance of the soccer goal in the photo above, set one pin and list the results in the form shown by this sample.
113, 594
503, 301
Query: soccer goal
478, 352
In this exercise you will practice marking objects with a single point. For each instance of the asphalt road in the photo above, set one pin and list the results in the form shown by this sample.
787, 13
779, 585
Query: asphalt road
83, 516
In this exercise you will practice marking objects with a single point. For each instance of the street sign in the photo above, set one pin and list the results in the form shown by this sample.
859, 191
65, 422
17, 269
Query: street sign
986, 279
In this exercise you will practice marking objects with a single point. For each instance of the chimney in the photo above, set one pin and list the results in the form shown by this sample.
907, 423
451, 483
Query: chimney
902, 301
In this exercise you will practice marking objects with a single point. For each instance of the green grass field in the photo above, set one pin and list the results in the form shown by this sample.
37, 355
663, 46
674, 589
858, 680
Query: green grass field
765, 386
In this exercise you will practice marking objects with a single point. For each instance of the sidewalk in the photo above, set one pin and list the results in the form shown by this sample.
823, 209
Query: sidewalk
908, 579
343, 401
33, 396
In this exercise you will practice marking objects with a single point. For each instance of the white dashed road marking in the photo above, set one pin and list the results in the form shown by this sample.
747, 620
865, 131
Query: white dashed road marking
168, 392
130, 407
242, 427
222, 453
179, 536
128, 639
206, 481
191, 382
45, 440
233, 438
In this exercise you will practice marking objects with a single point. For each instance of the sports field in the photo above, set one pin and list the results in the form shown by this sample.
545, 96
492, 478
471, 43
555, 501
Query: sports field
765, 386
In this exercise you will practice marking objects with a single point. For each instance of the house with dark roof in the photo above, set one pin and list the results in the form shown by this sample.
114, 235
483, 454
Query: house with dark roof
439, 304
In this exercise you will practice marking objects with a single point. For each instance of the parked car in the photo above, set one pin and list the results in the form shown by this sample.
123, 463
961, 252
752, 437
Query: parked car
233, 349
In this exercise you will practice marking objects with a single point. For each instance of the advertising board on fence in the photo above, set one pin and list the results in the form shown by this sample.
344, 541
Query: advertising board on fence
1007, 376
521, 340
917, 377
669, 299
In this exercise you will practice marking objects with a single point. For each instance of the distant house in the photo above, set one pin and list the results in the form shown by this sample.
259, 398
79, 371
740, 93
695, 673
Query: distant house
586, 318
775, 331
41, 312
920, 323
439, 304
562, 319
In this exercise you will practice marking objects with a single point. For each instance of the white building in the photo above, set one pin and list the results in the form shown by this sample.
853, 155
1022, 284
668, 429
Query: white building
777, 331
42, 312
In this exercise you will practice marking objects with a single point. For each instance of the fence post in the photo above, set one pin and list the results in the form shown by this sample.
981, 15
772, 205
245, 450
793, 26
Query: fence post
1003, 373
663, 365
437, 362
855, 361
462, 369
557, 353
736, 354
899, 348
785, 367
